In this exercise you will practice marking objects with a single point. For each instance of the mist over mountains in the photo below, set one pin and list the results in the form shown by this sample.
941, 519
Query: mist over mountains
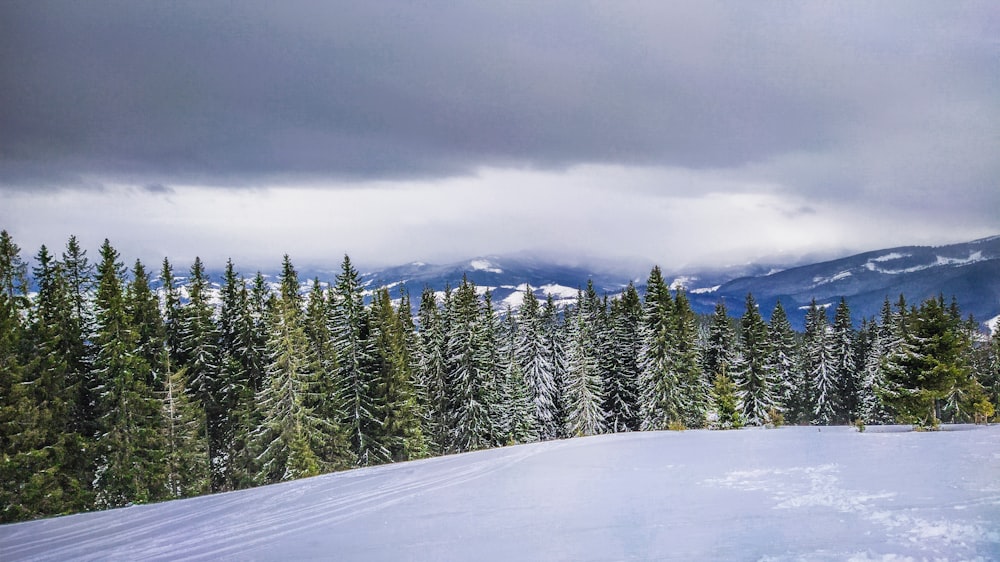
969, 272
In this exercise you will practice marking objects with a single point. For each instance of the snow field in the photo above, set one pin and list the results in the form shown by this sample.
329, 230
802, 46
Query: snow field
795, 493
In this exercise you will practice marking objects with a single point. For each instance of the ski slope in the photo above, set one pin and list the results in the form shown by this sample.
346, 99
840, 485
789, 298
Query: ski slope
795, 493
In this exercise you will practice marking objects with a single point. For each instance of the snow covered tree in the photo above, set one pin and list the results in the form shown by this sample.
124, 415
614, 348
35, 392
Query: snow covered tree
931, 365
622, 390
554, 330
349, 324
535, 360
844, 342
518, 424
130, 443
784, 362
659, 387
583, 391
471, 387
488, 358
754, 379
198, 355
244, 360
820, 367
693, 393
720, 347
432, 376
292, 437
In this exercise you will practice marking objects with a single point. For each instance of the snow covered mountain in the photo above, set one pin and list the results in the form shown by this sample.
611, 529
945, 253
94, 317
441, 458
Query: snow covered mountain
794, 493
969, 271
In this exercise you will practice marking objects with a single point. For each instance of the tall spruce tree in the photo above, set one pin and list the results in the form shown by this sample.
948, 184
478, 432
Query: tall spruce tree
784, 363
583, 391
820, 367
470, 401
293, 436
350, 326
694, 393
396, 396
622, 390
755, 379
535, 364
19, 415
130, 443
199, 356
930, 366
720, 347
844, 342
659, 388
518, 424
432, 376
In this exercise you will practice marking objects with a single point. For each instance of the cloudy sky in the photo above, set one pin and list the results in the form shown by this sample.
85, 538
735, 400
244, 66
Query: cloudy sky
676, 133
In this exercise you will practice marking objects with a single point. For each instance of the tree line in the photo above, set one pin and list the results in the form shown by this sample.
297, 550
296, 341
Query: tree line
112, 393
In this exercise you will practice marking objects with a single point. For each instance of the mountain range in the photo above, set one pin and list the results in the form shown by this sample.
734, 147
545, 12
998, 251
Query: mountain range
969, 272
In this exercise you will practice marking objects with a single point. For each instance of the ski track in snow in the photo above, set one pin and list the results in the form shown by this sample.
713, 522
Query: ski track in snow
251, 517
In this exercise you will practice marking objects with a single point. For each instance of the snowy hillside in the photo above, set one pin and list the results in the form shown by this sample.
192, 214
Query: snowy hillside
797, 493
970, 272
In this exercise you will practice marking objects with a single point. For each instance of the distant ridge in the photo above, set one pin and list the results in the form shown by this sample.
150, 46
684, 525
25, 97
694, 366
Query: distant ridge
968, 271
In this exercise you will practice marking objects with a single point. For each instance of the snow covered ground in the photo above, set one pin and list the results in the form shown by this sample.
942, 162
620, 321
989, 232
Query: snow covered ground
794, 493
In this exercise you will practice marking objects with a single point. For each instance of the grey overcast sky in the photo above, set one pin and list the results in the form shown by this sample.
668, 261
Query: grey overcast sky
678, 133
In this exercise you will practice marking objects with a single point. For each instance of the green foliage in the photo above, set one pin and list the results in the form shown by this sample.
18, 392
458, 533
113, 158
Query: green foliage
931, 365
726, 403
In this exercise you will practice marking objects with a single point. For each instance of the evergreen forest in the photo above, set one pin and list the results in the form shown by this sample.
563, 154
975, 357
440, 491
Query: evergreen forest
113, 393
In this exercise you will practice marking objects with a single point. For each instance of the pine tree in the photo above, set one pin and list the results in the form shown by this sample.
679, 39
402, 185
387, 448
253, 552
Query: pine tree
471, 388
292, 435
130, 442
754, 380
518, 424
396, 396
658, 384
554, 332
199, 356
487, 345
820, 367
51, 459
844, 342
535, 365
247, 355
720, 347
784, 362
432, 383
727, 411
349, 325
583, 392
622, 390
186, 443
694, 392
80, 352
19, 416
144, 311
930, 366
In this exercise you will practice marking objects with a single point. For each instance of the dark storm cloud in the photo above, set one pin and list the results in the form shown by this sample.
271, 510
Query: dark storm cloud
853, 98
